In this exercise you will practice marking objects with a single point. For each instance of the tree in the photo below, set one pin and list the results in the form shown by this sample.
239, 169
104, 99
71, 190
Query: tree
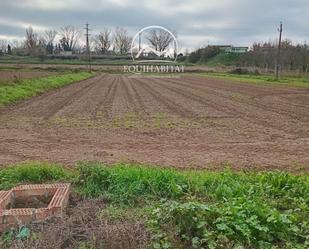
48, 39
122, 41
103, 41
31, 40
9, 49
3, 46
17, 44
69, 38
159, 39
35, 46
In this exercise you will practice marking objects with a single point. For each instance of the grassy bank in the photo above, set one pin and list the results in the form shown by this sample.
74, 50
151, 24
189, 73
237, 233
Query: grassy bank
11, 59
184, 209
260, 79
27, 88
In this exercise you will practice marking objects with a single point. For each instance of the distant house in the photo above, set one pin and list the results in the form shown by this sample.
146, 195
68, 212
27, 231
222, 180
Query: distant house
232, 49
223, 48
66, 53
237, 50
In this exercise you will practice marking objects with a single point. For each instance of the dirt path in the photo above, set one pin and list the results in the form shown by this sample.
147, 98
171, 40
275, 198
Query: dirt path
182, 122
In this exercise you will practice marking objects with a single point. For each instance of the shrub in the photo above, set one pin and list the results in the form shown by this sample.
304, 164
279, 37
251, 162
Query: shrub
239, 70
202, 55
237, 223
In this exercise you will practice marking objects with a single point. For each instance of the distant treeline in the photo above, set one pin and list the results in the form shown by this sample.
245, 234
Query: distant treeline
68, 41
261, 55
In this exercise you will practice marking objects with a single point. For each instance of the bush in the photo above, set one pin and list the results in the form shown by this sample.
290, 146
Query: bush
239, 70
202, 55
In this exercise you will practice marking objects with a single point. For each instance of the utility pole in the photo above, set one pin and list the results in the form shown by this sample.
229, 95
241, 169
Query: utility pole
302, 70
278, 62
88, 46
175, 50
139, 41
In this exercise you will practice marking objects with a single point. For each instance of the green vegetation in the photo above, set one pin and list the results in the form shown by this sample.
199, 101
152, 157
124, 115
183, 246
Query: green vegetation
23, 89
33, 172
130, 185
202, 55
185, 209
213, 56
13, 59
262, 55
260, 79
224, 59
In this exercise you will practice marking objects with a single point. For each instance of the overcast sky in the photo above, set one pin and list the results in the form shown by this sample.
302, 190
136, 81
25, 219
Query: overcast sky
197, 22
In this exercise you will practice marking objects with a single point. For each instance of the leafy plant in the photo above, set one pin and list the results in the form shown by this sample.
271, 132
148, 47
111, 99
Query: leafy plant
238, 223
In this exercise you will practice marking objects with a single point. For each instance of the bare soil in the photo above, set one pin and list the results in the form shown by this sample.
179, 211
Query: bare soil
186, 122
30, 202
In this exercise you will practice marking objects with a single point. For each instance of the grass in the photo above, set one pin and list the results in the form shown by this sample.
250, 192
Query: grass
33, 172
130, 185
110, 60
13, 59
197, 209
260, 79
223, 59
28, 88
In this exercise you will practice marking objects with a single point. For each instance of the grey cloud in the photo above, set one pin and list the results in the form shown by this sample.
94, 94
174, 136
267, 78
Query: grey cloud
241, 21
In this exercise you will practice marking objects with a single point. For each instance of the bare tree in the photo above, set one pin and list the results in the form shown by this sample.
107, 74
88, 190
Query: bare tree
31, 40
3, 46
159, 39
34, 45
69, 38
17, 44
50, 35
122, 41
48, 39
103, 41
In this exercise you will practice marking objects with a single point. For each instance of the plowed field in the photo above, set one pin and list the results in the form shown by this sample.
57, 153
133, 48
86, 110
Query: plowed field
194, 122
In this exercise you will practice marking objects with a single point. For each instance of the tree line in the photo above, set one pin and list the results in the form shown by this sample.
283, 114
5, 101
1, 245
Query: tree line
117, 41
68, 39
262, 55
